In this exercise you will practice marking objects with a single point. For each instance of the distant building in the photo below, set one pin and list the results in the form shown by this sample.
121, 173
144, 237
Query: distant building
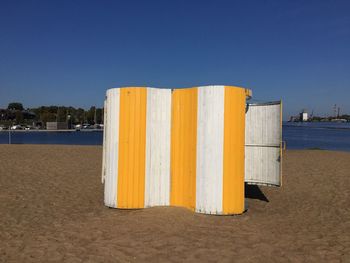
54, 125
304, 116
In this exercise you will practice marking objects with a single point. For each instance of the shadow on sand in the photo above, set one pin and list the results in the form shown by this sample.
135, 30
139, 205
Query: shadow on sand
254, 192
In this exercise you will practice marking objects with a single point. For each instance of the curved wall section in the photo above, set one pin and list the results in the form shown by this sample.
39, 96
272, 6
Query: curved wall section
182, 147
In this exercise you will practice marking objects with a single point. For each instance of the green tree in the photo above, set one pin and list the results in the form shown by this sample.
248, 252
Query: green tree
80, 115
47, 116
90, 115
61, 114
19, 117
15, 106
99, 115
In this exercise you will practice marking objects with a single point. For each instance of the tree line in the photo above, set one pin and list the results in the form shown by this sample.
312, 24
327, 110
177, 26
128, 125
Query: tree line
15, 113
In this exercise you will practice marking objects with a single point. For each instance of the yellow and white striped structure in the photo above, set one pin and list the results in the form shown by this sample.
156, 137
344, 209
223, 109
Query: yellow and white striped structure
180, 147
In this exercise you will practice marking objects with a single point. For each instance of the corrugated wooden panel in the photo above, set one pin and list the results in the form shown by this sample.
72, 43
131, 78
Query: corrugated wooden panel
183, 147
234, 139
262, 165
263, 124
132, 147
157, 191
206, 153
210, 131
111, 146
263, 138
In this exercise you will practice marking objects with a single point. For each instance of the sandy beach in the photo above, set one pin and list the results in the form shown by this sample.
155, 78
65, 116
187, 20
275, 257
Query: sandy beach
51, 207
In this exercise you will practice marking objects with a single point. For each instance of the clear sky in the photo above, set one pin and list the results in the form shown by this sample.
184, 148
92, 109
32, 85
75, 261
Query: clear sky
69, 52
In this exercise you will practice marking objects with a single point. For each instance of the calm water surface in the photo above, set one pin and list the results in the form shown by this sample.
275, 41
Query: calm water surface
322, 135
328, 136
42, 137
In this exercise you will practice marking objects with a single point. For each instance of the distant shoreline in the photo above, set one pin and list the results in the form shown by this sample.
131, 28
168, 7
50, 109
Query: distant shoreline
71, 130
317, 127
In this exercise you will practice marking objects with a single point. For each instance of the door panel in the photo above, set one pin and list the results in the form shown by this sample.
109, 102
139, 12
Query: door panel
263, 136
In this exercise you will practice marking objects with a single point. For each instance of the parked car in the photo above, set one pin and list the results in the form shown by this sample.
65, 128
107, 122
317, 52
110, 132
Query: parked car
16, 127
77, 127
98, 126
87, 126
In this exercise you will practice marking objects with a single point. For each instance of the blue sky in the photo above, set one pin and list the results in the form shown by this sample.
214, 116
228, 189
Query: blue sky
70, 52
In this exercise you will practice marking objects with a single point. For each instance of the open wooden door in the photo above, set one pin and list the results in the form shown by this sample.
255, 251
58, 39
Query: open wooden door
263, 144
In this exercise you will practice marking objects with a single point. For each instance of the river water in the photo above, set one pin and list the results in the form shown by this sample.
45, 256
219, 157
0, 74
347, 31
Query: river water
50, 137
321, 135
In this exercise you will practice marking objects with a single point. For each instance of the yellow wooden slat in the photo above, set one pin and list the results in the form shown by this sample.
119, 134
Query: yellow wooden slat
132, 148
183, 147
234, 139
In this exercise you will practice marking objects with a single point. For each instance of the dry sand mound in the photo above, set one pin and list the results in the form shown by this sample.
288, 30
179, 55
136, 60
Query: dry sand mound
51, 207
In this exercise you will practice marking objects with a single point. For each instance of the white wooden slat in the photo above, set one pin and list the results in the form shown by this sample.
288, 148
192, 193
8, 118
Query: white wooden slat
210, 132
157, 181
112, 145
